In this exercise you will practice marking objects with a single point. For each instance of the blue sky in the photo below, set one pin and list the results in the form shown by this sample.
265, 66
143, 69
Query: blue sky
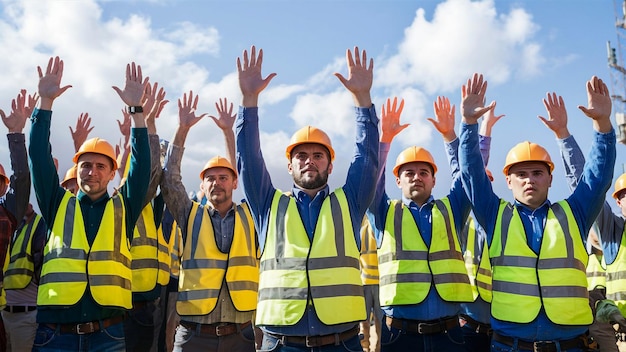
421, 49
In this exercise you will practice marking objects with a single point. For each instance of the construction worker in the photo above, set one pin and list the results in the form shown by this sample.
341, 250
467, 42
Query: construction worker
422, 272
370, 278
85, 286
310, 235
219, 268
540, 298
22, 265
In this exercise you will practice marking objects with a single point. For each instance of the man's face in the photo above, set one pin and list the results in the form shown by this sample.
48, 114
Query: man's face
95, 171
310, 166
416, 181
218, 185
530, 181
621, 201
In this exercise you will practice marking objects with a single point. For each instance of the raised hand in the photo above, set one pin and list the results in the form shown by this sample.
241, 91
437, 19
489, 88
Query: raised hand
124, 126
20, 112
83, 128
557, 115
489, 120
154, 102
135, 86
225, 118
445, 118
187, 110
49, 86
360, 77
598, 104
390, 120
473, 99
251, 82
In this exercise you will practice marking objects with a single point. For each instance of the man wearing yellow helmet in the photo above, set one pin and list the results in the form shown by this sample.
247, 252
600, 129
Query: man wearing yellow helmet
422, 272
310, 291
219, 266
539, 292
85, 286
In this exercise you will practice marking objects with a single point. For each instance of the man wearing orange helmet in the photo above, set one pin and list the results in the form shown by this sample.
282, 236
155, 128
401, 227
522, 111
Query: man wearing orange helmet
85, 286
422, 272
219, 266
310, 290
540, 298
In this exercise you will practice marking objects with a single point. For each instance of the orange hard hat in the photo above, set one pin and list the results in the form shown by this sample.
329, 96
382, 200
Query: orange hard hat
4, 175
414, 154
489, 174
69, 175
527, 151
310, 134
620, 185
217, 161
98, 146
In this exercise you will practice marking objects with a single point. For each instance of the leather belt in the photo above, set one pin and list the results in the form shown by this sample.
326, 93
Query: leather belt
87, 328
423, 327
217, 329
541, 346
19, 309
478, 327
317, 341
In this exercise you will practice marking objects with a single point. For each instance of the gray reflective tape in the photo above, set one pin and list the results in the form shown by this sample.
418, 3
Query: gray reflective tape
70, 253
516, 288
405, 278
203, 264
62, 278
198, 294
563, 291
296, 264
109, 280
144, 264
282, 293
515, 261
243, 286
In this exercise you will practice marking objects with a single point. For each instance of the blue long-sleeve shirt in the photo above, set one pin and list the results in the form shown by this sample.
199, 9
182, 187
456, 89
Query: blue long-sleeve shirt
433, 307
585, 202
259, 192
50, 194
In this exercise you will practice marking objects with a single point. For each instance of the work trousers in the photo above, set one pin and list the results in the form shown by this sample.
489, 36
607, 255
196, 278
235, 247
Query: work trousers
190, 340
20, 330
110, 339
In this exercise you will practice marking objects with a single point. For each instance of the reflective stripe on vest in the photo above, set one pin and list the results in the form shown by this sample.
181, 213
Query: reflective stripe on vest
368, 259
21, 267
204, 266
408, 267
477, 262
68, 258
596, 272
616, 276
175, 249
149, 252
292, 266
524, 282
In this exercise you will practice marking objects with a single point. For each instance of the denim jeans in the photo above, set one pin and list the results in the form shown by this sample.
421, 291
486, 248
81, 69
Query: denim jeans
190, 340
271, 343
501, 347
397, 340
105, 340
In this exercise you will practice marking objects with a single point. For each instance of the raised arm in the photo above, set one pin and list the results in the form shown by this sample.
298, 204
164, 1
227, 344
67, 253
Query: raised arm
154, 103
133, 93
122, 150
486, 126
83, 128
598, 105
444, 122
360, 77
225, 120
251, 82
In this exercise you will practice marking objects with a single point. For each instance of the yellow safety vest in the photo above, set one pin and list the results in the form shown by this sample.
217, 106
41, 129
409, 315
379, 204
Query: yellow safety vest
615, 277
151, 259
596, 272
292, 266
368, 259
204, 267
477, 262
408, 267
523, 281
21, 267
71, 265
175, 249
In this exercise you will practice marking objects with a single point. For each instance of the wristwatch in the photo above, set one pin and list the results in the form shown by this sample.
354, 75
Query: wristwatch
135, 109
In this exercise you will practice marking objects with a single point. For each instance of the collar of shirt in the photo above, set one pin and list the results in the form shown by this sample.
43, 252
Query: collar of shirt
541, 210
84, 199
214, 213
412, 205
302, 196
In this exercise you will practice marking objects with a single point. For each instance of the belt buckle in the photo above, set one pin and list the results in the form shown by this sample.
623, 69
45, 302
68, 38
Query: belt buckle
544, 346
218, 329
311, 341
79, 331
419, 328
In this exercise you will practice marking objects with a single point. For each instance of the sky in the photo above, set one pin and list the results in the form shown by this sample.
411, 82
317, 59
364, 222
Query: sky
421, 50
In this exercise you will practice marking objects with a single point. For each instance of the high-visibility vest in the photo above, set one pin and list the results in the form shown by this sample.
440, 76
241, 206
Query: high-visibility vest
524, 282
616, 277
596, 272
71, 265
477, 262
408, 267
151, 259
175, 249
368, 259
292, 266
21, 267
204, 267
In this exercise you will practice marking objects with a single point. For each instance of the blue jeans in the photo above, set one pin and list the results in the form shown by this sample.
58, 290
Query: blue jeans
475, 342
396, 340
501, 347
271, 343
141, 327
190, 340
105, 340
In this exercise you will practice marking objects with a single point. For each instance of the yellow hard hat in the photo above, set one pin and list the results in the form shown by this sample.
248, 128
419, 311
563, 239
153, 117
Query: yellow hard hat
4, 175
310, 134
217, 161
98, 146
527, 151
620, 185
414, 154
69, 175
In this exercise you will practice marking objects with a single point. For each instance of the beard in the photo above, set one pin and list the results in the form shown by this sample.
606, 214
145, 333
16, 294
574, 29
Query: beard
320, 179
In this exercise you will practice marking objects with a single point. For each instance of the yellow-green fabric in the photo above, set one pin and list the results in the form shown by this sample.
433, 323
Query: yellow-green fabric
616, 277
151, 260
368, 259
21, 267
477, 265
596, 271
292, 266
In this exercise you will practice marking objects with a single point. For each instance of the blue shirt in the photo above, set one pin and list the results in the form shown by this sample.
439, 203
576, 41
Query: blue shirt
433, 307
585, 202
259, 192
